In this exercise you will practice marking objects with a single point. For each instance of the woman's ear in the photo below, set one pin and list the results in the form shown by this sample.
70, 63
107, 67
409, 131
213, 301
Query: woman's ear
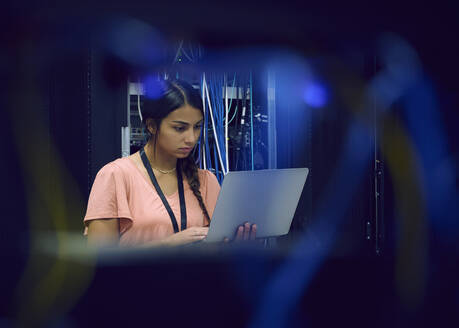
151, 126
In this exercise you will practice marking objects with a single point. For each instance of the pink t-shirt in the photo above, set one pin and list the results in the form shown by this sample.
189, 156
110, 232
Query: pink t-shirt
120, 190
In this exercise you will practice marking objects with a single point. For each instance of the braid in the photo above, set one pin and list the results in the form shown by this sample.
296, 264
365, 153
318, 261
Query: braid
191, 172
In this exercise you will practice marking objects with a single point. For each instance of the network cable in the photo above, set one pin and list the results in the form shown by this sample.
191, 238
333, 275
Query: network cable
213, 124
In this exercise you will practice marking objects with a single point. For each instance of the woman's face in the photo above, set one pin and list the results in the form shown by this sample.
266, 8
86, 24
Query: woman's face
179, 131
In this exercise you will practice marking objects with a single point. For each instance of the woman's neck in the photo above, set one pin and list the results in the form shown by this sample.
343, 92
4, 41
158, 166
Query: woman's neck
160, 160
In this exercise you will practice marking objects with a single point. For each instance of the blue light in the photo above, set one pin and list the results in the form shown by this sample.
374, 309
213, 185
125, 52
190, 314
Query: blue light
152, 87
315, 95
134, 41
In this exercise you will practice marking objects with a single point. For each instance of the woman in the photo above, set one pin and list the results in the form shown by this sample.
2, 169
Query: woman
158, 196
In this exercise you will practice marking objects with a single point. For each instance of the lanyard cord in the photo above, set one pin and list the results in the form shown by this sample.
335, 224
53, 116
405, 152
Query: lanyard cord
147, 165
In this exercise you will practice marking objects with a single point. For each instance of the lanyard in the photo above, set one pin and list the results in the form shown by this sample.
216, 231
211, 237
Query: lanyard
147, 165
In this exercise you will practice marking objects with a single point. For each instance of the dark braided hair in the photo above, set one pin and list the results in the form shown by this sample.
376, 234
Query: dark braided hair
191, 172
162, 98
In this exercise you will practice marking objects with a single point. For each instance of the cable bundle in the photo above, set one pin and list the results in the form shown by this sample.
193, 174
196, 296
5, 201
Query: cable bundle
214, 112
213, 147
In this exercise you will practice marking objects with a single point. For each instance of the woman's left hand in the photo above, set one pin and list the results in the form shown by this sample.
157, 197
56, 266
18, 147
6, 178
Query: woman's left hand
244, 232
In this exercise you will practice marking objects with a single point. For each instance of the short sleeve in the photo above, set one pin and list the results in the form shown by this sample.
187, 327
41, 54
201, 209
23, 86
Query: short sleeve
108, 197
212, 191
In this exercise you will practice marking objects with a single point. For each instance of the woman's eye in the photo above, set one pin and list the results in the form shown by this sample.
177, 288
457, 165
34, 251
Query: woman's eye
179, 128
198, 127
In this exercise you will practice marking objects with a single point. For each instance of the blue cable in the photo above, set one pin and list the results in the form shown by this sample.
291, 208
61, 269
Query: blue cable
215, 86
208, 161
219, 89
206, 140
221, 122
201, 136
234, 83
231, 102
234, 115
209, 88
208, 158
216, 166
218, 109
223, 125
201, 143
204, 155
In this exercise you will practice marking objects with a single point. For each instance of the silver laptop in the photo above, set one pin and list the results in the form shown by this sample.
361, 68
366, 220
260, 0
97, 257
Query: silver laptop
267, 198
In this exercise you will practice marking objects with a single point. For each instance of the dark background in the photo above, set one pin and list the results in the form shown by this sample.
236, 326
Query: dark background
80, 87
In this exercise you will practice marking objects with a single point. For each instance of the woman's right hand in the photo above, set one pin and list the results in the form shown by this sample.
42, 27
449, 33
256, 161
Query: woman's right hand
187, 236
245, 232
